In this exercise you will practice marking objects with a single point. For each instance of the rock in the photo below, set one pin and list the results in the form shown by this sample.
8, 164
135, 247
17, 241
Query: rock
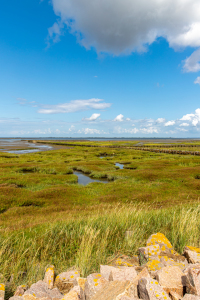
21, 290
150, 289
72, 295
132, 288
191, 297
93, 284
154, 265
172, 279
66, 281
40, 290
111, 290
193, 256
125, 261
16, 298
80, 292
49, 276
146, 252
175, 296
120, 273
81, 282
2, 291
195, 266
173, 260
193, 281
161, 240
125, 298
159, 253
194, 249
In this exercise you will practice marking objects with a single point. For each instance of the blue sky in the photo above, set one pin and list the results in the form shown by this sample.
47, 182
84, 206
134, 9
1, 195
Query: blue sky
104, 68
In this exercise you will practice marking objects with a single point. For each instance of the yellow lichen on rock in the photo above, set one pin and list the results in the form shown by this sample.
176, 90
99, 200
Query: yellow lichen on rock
158, 238
2, 290
197, 250
154, 265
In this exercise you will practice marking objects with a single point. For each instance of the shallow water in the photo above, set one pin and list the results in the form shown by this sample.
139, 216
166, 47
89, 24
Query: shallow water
23, 151
85, 179
14, 145
119, 165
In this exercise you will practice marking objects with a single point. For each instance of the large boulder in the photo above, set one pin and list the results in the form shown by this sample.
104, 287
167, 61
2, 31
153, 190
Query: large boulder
66, 281
172, 279
150, 289
120, 273
94, 283
159, 252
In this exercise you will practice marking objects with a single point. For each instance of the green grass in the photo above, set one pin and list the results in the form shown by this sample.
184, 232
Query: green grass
47, 218
85, 243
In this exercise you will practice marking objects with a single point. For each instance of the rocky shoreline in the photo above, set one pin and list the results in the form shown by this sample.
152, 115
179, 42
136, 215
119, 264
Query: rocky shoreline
158, 272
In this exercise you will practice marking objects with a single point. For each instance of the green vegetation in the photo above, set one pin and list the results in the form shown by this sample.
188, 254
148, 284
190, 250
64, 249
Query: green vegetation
47, 218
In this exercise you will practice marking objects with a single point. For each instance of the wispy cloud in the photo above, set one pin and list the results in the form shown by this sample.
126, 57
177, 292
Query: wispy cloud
197, 81
92, 118
192, 63
74, 106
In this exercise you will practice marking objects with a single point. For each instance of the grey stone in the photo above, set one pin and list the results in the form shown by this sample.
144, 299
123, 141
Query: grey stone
149, 289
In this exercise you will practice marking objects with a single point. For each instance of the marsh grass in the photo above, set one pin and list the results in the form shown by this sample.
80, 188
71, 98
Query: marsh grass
85, 243
47, 218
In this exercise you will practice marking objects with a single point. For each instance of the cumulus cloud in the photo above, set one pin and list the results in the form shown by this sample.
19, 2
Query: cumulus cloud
116, 26
193, 118
74, 106
149, 130
93, 117
160, 120
192, 63
119, 118
197, 81
169, 123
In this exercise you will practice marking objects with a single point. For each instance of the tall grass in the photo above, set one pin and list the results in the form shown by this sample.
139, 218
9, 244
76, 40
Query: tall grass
85, 243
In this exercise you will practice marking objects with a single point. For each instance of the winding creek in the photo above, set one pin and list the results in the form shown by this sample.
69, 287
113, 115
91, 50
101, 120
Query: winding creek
85, 179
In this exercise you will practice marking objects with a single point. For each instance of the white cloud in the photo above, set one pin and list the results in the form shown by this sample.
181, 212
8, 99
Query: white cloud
160, 120
93, 117
169, 123
89, 131
192, 63
183, 129
194, 118
74, 106
128, 119
119, 118
149, 130
117, 26
184, 124
197, 81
